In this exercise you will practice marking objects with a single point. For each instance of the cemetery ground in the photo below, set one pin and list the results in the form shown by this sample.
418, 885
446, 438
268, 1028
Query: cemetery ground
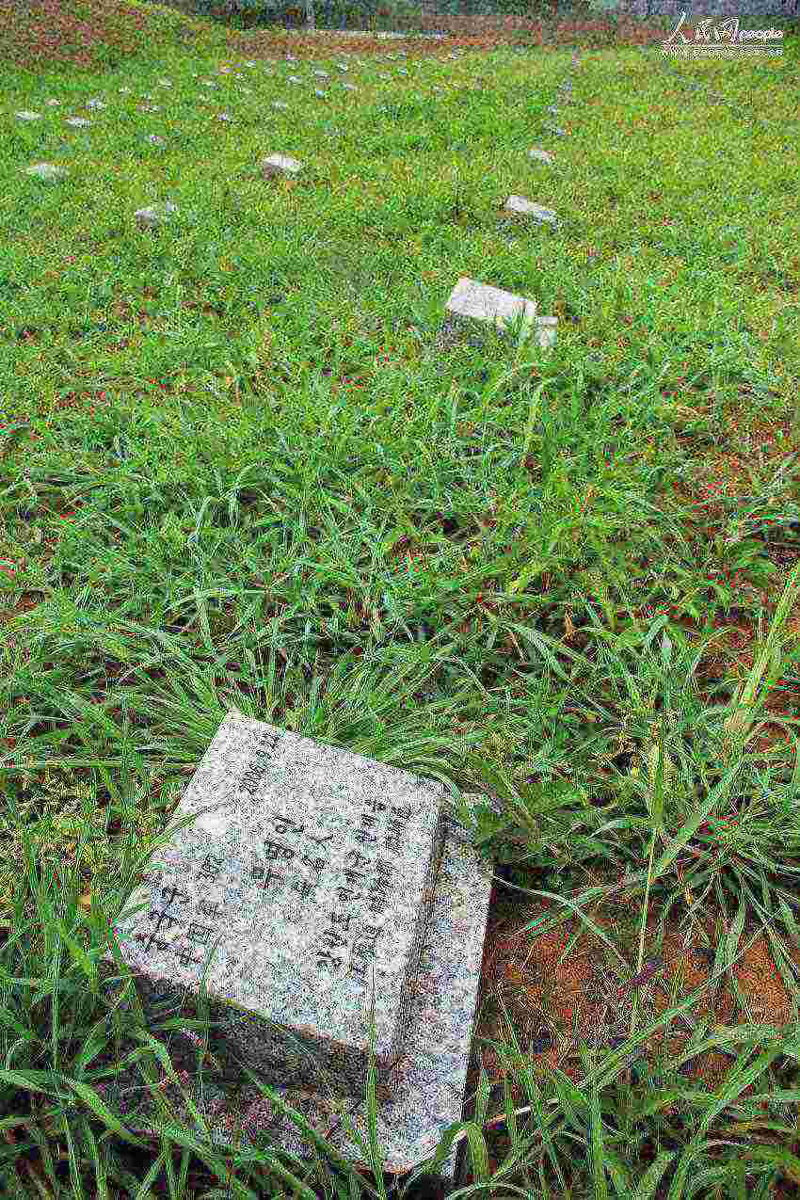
239, 468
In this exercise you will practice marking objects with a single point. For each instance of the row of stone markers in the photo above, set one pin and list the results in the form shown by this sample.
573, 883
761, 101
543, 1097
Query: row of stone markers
469, 301
305, 884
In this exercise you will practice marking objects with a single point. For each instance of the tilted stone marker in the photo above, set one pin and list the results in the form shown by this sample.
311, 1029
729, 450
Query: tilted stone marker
546, 331
314, 872
156, 214
471, 302
526, 208
541, 155
46, 171
280, 165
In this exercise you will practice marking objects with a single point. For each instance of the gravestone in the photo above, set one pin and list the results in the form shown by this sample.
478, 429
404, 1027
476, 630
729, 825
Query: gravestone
526, 208
471, 302
46, 171
280, 165
155, 214
315, 872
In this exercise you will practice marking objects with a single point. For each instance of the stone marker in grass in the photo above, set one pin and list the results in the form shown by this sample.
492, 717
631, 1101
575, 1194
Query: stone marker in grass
46, 171
79, 122
28, 116
546, 331
472, 302
541, 155
279, 104
526, 208
278, 165
156, 214
320, 878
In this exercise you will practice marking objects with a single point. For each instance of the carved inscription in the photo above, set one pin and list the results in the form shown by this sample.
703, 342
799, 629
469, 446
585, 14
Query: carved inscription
355, 870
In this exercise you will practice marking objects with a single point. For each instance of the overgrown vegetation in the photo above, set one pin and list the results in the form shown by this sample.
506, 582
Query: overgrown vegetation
237, 470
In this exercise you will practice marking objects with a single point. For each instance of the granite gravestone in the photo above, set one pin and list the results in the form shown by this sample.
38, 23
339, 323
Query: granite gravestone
310, 873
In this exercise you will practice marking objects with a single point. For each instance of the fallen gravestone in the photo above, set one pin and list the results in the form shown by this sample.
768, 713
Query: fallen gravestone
472, 305
280, 164
526, 208
156, 214
322, 880
46, 171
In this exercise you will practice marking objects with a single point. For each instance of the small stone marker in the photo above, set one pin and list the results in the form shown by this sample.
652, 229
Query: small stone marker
28, 116
280, 164
546, 331
310, 871
526, 208
470, 301
46, 171
542, 155
313, 869
78, 121
51, 102
279, 104
148, 218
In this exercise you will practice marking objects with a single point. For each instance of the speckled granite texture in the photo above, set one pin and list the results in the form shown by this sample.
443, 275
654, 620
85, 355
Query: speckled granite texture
310, 871
429, 1086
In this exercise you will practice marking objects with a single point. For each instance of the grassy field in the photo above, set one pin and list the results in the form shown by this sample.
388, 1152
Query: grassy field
238, 470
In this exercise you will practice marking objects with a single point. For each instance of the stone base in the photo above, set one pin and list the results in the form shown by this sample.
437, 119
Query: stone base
430, 1082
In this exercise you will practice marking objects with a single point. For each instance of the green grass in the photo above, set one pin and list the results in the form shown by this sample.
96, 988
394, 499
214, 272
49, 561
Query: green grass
218, 437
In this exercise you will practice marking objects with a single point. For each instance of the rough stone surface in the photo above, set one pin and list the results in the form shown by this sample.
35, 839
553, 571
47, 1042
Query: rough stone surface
429, 1089
546, 331
45, 171
280, 164
312, 869
526, 208
470, 301
147, 218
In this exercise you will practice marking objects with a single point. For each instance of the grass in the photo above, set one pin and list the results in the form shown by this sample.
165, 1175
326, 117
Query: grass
235, 470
